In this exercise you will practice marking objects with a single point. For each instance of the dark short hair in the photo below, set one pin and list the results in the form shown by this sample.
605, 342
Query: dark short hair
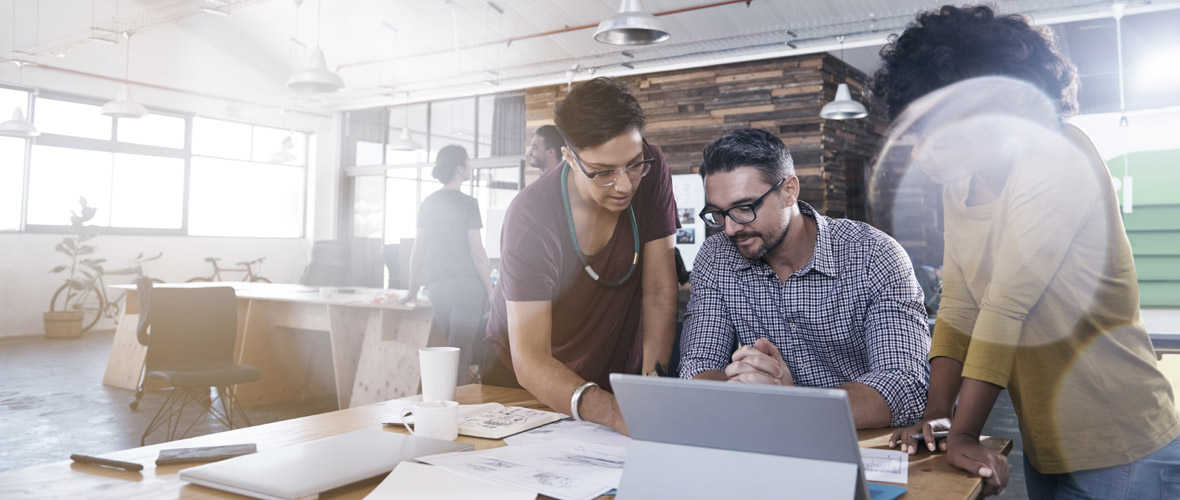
551, 137
597, 111
749, 147
952, 44
447, 162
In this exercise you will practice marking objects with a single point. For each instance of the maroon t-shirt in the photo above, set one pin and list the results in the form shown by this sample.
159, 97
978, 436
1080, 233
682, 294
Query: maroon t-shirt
596, 328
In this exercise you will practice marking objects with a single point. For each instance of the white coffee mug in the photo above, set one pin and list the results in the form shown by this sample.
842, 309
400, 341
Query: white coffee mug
440, 366
433, 419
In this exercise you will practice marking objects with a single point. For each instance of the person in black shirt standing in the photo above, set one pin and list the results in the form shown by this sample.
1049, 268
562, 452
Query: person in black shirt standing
449, 257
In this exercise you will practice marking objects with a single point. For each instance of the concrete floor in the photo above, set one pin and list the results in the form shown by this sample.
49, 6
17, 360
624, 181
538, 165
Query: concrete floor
53, 403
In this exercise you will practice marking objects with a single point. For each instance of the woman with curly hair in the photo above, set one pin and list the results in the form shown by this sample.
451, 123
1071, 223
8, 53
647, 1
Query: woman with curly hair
1039, 287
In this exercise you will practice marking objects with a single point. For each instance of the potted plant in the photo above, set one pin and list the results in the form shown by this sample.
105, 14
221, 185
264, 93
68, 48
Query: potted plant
64, 320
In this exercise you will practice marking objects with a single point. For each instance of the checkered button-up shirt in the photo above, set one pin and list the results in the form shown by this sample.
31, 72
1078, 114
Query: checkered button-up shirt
854, 313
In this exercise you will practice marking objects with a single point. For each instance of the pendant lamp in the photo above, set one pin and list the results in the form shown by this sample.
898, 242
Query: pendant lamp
123, 106
315, 78
631, 26
843, 107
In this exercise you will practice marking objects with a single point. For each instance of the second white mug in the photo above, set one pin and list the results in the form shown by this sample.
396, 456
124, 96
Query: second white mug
433, 419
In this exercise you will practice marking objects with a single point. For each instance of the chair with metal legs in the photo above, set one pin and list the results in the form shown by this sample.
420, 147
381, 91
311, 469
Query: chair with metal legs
190, 335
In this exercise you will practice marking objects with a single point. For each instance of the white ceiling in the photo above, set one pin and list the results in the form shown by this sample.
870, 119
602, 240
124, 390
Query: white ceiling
391, 50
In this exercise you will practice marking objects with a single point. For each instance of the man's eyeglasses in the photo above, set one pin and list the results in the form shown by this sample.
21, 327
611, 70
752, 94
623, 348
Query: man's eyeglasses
741, 214
608, 178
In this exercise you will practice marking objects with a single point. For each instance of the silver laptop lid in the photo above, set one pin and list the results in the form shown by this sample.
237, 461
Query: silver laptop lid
799, 422
793, 427
306, 469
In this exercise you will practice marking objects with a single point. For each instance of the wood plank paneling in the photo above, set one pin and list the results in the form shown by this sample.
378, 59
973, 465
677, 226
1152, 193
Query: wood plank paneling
687, 109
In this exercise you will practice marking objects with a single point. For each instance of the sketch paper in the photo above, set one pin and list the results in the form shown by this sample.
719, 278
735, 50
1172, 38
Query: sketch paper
426, 482
505, 421
573, 430
560, 468
887, 466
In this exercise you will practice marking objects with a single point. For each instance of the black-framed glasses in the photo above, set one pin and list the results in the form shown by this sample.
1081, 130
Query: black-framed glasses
608, 178
741, 214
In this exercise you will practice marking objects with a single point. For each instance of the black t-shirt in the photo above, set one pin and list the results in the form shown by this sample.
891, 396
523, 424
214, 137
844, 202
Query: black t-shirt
445, 217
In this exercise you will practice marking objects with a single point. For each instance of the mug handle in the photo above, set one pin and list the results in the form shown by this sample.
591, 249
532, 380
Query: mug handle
406, 412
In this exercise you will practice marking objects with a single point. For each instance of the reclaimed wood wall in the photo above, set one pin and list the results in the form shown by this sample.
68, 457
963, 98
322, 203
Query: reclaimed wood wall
688, 108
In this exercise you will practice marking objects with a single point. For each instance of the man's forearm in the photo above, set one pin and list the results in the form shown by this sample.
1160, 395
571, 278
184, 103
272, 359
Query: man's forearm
659, 327
711, 375
869, 409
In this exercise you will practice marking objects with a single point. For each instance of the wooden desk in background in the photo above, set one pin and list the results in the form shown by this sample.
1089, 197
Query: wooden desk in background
930, 476
374, 347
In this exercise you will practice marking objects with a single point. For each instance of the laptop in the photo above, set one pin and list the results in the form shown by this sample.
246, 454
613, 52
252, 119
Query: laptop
303, 471
706, 439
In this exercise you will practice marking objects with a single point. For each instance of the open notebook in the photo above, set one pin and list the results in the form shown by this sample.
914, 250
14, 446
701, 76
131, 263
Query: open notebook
496, 421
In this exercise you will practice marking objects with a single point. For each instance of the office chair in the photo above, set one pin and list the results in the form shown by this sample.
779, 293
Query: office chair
328, 265
190, 335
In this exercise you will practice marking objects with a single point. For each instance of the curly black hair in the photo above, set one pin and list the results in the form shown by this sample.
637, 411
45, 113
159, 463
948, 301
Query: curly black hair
952, 44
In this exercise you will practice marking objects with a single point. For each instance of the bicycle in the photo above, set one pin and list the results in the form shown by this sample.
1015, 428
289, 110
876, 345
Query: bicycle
91, 299
248, 268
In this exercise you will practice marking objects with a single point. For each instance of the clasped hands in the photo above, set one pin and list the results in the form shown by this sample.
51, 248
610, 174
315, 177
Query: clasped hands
760, 363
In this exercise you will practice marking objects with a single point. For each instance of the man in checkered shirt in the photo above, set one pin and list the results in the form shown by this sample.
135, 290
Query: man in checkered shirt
804, 299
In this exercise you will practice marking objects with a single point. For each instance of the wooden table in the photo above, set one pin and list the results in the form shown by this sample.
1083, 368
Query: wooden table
930, 476
374, 344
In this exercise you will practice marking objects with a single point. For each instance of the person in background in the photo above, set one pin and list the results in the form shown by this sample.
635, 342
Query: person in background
588, 282
544, 152
449, 258
811, 301
1039, 291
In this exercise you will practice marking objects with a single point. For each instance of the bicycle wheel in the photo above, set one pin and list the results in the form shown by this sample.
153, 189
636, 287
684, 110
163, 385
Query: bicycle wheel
89, 301
199, 280
259, 279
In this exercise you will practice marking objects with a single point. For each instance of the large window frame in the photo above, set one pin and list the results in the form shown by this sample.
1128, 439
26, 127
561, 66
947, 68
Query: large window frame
480, 161
112, 145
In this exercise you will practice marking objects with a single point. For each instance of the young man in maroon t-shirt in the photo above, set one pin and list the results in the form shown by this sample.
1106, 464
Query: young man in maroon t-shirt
588, 281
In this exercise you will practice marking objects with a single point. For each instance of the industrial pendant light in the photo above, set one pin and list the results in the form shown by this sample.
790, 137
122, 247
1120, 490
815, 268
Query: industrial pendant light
843, 107
631, 26
18, 126
404, 142
285, 152
123, 106
314, 77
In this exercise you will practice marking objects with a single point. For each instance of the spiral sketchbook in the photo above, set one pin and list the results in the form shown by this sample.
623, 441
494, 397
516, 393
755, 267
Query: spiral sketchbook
496, 421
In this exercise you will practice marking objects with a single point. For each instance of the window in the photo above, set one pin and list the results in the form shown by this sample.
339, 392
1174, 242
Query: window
242, 184
487, 107
237, 198
11, 99
416, 123
147, 192
76, 119
401, 203
271, 143
12, 181
222, 139
368, 209
153, 130
452, 122
59, 176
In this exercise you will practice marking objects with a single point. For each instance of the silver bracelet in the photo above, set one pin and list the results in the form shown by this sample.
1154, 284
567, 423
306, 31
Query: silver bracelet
577, 398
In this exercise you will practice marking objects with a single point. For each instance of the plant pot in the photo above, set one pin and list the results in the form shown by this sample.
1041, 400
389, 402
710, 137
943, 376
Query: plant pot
62, 324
